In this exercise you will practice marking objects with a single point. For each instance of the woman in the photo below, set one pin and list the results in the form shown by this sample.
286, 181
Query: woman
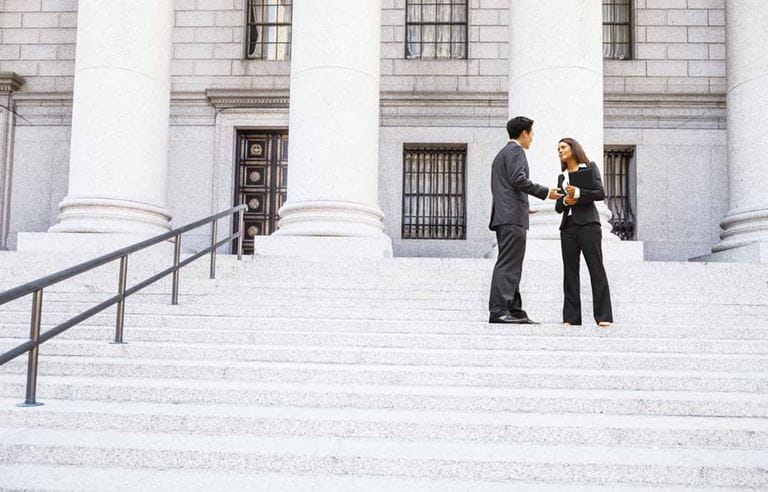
580, 232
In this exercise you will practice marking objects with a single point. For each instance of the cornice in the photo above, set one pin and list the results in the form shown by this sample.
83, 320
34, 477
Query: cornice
247, 98
11, 81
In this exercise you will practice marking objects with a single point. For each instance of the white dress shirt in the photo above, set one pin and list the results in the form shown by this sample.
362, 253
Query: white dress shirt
566, 182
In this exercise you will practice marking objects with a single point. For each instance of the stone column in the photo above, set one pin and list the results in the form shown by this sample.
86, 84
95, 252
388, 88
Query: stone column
9, 83
332, 206
744, 233
119, 152
556, 79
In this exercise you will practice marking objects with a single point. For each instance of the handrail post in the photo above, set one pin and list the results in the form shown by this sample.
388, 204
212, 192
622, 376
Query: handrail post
122, 280
176, 259
240, 227
34, 335
214, 230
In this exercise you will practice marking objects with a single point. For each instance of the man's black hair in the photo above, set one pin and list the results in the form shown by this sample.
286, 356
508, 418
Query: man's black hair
518, 125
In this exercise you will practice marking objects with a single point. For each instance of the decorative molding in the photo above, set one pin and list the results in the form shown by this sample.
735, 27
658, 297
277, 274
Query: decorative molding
678, 99
665, 111
248, 98
11, 81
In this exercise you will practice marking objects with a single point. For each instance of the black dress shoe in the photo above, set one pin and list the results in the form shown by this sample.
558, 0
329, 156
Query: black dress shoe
509, 319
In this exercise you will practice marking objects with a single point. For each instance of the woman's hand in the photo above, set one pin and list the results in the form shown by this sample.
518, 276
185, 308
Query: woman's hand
571, 190
569, 200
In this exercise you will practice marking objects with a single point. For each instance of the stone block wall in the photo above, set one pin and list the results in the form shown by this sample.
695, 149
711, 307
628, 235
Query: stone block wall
485, 70
679, 48
37, 41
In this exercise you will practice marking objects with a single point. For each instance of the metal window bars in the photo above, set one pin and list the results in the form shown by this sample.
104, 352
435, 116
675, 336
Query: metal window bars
36, 288
617, 192
434, 192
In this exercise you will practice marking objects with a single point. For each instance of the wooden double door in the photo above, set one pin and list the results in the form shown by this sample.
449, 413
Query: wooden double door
261, 181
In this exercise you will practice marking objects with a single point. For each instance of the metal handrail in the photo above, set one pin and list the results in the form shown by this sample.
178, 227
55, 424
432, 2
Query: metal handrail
36, 287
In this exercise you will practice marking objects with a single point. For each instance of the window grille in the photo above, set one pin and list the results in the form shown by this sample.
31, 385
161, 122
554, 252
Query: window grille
268, 29
617, 29
436, 29
617, 192
434, 204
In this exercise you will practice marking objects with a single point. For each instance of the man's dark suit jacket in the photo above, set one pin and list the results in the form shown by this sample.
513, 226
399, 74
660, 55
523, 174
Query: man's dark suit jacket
584, 212
510, 186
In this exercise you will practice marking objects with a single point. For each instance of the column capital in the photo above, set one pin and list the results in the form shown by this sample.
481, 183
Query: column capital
11, 81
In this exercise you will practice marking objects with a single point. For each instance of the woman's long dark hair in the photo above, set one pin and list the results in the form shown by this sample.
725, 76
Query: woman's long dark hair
577, 150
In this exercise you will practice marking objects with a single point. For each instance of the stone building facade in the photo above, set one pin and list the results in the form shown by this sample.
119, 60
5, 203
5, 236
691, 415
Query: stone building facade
665, 108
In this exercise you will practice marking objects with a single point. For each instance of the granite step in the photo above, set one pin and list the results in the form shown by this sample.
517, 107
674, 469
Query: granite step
411, 397
393, 374
46, 478
384, 423
104, 324
447, 459
533, 357
598, 341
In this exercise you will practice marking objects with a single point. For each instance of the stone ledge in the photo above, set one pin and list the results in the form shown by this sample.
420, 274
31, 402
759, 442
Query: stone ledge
751, 253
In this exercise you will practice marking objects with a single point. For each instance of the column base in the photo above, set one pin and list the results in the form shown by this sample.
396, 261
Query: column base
379, 246
111, 216
749, 253
92, 244
741, 228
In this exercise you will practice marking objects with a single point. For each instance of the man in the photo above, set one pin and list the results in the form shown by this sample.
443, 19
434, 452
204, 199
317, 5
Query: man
511, 186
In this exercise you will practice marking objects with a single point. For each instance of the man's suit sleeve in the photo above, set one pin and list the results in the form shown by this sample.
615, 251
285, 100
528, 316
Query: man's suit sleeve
596, 194
516, 163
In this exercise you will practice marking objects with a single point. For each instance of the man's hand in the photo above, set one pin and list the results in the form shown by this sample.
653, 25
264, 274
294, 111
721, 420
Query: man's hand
569, 200
554, 194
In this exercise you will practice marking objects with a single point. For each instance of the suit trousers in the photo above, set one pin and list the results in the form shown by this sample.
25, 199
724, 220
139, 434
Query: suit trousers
505, 283
574, 240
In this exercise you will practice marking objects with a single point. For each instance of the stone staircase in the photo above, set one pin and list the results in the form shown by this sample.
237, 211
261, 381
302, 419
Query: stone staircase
354, 374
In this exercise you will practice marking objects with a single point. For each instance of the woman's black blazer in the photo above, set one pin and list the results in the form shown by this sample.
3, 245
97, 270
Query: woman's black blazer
584, 212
